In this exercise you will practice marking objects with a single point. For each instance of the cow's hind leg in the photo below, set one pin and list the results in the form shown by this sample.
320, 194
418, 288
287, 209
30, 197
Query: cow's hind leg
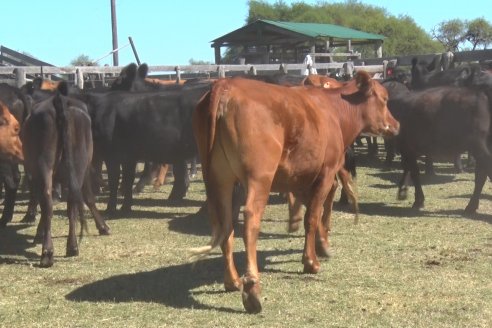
72, 209
181, 181
44, 228
114, 171
256, 200
90, 201
324, 228
295, 212
312, 218
480, 178
127, 180
220, 186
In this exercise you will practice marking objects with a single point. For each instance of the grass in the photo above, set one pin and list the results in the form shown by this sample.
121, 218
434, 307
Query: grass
397, 268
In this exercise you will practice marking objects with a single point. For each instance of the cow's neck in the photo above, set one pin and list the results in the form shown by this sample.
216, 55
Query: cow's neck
350, 121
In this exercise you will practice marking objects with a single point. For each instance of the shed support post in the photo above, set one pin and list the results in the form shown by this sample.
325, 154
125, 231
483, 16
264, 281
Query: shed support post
217, 55
379, 49
20, 77
178, 74
79, 79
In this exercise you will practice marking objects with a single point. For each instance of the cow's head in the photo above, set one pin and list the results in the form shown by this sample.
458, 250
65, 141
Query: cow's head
10, 144
372, 98
124, 81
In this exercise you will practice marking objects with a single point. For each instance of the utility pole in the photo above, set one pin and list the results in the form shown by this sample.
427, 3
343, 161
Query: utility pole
115, 32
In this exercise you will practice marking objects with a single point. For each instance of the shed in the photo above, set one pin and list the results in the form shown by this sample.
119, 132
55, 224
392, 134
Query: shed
266, 41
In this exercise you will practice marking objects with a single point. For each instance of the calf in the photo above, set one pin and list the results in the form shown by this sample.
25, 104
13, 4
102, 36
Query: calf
58, 141
271, 137
144, 126
443, 122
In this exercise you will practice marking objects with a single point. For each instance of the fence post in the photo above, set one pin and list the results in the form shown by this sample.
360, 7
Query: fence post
348, 69
252, 70
20, 77
221, 71
178, 74
79, 79
385, 69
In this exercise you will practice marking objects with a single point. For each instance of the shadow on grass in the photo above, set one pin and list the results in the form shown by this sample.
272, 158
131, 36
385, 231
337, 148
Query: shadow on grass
14, 242
171, 286
382, 209
198, 224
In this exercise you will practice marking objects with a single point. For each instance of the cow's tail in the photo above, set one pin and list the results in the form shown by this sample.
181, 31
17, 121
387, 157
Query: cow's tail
75, 197
350, 190
208, 113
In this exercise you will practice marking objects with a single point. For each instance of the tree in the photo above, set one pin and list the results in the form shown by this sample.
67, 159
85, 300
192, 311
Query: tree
479, 33
198, 62
450, 34
83, 60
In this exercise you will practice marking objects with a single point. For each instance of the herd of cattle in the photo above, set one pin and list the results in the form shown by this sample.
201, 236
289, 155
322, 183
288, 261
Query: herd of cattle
280, 133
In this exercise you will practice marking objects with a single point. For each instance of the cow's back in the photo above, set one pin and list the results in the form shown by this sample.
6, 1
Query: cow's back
273, 129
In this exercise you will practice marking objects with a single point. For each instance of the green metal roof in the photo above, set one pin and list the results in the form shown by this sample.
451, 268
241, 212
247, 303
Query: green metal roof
316, 30
273, 32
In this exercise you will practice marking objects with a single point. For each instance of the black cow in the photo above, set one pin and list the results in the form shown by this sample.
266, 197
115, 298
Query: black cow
135, 78
57, 140
20, 106
144, 126
442, 122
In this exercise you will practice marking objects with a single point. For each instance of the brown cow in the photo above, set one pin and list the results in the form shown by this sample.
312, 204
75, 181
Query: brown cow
10, 144
283, 139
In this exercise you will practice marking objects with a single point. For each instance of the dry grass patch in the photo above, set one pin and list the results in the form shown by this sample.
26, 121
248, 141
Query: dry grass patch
397, 268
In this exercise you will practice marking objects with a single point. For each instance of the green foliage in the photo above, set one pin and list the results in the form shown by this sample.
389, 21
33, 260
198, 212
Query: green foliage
403, 35
450, 34
198, 62
83, 60
479, 33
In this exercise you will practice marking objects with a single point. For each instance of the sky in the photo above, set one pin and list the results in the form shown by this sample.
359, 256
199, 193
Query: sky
167, 32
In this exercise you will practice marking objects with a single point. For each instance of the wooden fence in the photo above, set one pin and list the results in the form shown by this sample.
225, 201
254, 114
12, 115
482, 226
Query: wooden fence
17, 75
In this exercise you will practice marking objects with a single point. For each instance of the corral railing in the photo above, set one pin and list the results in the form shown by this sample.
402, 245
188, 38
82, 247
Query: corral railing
17, 75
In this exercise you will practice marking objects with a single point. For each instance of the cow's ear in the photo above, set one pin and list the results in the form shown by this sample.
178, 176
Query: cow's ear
363, 82
360, 84
36, 83
143, 70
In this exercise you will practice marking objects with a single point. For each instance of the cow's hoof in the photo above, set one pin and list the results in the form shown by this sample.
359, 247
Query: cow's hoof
29, 218
111, 212
125, 210
104, 231
311, 267
177, 194
294, 226
418, 205
402, 194
46, 259
470, 210
251, 296
322, 249
72, 252
232, 286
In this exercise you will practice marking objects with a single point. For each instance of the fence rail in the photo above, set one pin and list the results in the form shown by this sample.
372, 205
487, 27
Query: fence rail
16, 75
